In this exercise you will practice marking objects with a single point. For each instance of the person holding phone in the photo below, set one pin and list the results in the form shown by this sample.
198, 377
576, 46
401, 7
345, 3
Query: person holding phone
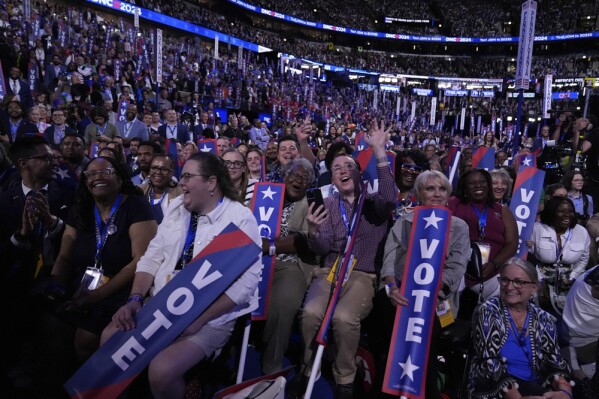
328, 231
294, 265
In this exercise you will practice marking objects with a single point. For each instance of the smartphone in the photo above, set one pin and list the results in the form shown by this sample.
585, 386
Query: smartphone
315, 196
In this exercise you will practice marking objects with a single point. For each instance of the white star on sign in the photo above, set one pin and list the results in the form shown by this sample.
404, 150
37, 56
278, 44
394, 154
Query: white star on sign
268, 193
526, 161
64, 174
432, 220
205, 148
408, 368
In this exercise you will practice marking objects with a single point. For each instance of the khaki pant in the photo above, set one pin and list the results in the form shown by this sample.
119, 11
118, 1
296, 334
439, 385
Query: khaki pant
287, 292
354, 305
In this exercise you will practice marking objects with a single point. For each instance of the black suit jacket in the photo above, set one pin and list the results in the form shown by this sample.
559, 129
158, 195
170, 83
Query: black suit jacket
182, 132
49, 133
51, 78
25, 128
20, 265
24, 93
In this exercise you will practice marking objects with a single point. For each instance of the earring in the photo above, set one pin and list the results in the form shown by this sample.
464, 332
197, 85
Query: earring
212, 193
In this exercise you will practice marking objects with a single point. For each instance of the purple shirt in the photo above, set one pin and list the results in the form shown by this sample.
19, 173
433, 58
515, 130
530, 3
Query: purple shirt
374, 225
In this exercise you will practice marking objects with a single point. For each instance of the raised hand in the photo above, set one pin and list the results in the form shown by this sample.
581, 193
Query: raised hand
377, 137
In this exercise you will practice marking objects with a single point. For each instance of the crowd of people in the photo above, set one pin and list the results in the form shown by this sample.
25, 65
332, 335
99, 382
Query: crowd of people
466, 19
105, 197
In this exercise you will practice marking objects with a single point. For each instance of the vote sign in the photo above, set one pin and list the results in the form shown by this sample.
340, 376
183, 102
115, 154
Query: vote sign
116, 364
405, 373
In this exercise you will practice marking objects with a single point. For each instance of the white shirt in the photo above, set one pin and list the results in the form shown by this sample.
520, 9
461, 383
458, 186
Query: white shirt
171, 131
165, 249
575, 250
581, 314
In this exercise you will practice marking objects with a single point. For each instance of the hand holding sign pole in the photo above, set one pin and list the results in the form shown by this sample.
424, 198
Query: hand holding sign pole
405, 373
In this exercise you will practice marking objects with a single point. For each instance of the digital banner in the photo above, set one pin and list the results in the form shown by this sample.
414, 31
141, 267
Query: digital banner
563, 95
484, 158
525, 203
267, 207
207, 145
525, 44
403, 36
156, 17
108, 372
407, 362
368, 163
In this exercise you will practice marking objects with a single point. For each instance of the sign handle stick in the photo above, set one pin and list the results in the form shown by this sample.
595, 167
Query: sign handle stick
244, 350
314, 371
518, 123
587, 98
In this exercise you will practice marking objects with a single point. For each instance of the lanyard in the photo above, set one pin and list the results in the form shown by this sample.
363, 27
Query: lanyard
59, 133
128, 126
101, 131
186, 254
559, 248
172, 130
103, 230
482, 222
520, 336
348, 227
161, 198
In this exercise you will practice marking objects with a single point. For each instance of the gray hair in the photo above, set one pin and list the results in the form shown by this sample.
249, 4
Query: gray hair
424, 177
297, 163
526, 266
505, 176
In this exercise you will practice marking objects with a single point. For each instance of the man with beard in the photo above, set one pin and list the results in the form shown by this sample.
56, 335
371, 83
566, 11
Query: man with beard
15, 126
271, 155
145, 153
32, 214
17, 86
71, 147
132, 126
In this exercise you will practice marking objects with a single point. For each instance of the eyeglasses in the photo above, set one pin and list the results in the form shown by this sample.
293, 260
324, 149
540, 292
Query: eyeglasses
348, 166
234, 164
90, 174
298, 177
158, 169
411, 168
46, 157
504, 282
187, 176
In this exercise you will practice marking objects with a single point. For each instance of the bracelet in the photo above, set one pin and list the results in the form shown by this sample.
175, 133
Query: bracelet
381, 164
567, 393
136, 297
272, 250
382, 159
